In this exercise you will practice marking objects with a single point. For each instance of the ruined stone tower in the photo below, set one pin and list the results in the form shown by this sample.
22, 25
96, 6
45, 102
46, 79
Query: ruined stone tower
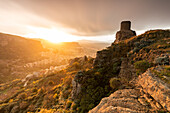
125, 32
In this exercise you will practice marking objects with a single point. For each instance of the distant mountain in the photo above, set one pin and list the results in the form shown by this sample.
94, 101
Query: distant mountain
93, 44
79, 48
15, 47
15, 52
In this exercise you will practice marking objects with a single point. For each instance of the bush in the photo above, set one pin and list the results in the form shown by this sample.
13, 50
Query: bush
67, 81
65, 94
74, 106
76, 65
34, 90
114, 83
136, 49
22, 96
41, 90
55, 96
51, 83
116, 67
68, 104
141, 66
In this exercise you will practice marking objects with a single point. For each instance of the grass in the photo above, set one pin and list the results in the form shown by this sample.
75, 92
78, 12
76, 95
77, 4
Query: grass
163, 74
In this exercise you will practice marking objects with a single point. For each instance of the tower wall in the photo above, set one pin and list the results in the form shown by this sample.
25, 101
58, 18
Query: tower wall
125, 25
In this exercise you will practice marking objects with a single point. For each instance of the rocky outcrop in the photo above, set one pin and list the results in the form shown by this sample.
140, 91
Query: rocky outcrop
122, 101
125, 32
127, 70
149, 94
158, 90
76, 83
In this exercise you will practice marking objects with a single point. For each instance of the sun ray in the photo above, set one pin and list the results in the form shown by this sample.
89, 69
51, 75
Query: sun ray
51, 34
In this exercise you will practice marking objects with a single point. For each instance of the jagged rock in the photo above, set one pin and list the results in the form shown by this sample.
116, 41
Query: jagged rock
142, 101
124, 101
125, 32
156, 88
151, 94
76, 83
127, 70
164, 59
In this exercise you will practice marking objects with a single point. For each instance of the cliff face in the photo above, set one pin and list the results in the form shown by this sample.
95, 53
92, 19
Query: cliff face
158, 90
148, 91
119, 65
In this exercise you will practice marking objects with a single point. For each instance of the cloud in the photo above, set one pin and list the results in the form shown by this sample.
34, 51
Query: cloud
91, 17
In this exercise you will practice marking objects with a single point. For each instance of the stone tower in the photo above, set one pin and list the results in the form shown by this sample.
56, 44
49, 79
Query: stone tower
125, 32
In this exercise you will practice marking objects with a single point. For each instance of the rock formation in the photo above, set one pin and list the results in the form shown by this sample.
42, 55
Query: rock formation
149, 94
148, 90
125, 32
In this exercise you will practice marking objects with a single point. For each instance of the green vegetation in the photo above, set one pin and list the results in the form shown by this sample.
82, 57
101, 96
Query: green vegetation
51, 83
164, 74
114, 83
141, 66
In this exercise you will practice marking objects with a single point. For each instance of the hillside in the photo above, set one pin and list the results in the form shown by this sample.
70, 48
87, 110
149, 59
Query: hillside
16, 51
21, 56
75, 49
133, 72
16, 47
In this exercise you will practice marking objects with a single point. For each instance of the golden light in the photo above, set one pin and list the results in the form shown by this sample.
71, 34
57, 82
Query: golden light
53, 35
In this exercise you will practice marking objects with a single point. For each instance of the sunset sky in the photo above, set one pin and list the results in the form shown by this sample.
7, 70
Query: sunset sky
71, 20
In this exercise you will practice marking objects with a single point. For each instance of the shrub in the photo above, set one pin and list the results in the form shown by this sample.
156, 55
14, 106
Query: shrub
68, 104
51, 83
136, 49
34, 90
47, 111
41, 90
116, 67
74, 106
55, 96
114, 83
22, 96
11, 100
97, 73
76, 65
67, 81
142, 65
65, 94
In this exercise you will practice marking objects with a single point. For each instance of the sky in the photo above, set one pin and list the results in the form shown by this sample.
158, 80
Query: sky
70, 20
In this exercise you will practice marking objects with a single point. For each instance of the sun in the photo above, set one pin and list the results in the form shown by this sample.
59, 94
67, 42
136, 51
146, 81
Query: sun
53, 35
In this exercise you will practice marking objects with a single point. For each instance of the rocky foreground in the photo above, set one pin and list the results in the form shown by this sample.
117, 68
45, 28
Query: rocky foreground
149, 94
